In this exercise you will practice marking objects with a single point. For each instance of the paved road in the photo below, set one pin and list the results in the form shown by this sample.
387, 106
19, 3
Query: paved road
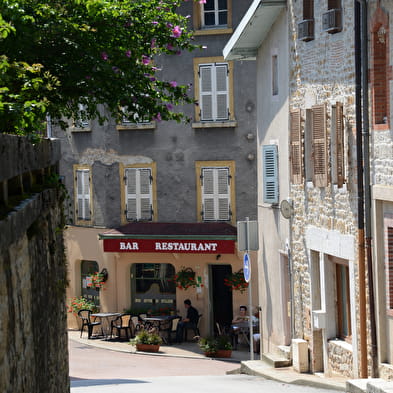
104, 371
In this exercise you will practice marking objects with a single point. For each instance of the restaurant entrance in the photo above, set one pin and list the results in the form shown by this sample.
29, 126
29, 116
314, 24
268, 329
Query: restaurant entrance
221, 295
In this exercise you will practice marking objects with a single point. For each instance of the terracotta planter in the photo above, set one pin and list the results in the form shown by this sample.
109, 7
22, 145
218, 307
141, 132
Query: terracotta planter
211, 354
147, 347
224, 353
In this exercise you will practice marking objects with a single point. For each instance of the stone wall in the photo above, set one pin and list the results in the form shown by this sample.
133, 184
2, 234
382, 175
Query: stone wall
33, 337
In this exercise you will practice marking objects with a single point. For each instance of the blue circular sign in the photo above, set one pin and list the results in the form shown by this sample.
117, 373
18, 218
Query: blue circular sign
246, 267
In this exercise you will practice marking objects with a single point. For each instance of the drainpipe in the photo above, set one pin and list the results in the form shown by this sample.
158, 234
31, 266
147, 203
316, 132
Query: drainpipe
367, 190
360, 192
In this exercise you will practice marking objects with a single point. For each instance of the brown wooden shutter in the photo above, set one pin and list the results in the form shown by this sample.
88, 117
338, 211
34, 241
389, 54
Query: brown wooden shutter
389, 268
308, 9
296, 147
334, 4
319, 145
340, 144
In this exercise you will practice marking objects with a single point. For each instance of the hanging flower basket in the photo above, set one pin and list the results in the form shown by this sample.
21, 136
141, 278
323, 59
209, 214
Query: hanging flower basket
96, 280
236, 281
185, 278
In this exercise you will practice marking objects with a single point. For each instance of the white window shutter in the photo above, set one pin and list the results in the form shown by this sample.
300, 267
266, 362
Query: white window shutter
83, 194
215, 194
222, 92
206, 89
270, 173
145, 194
138, 194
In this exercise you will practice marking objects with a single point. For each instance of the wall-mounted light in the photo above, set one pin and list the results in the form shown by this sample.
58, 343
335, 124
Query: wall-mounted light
250, 156
105, 274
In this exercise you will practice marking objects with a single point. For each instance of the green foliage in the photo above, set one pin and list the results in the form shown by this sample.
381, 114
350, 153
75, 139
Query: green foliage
211, 345
145, 337
102, 54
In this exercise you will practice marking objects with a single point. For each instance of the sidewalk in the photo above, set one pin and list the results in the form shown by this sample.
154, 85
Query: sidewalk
241, 357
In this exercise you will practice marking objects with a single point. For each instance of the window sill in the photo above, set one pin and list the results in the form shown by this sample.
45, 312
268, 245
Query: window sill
213, 31
80, 129
83, 223
131, 127
380, 127
342, 344
215, 124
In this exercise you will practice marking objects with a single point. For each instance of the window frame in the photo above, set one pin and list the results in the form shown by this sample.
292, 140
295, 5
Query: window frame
230, 166
319, 146
199, 29
296, 141
127, 124
337, 140
214, 62
83, 220
80, 125
124, 196
343, 303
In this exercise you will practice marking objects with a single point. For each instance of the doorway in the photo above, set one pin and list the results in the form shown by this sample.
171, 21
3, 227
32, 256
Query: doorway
220, 295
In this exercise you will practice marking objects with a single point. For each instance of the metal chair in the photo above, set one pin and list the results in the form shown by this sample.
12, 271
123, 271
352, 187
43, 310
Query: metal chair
86, 321
194, 328
123, 323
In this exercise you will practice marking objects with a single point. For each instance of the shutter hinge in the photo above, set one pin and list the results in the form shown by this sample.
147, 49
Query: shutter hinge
151, 179
201, 177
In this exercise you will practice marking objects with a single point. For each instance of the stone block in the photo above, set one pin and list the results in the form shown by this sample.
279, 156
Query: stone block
300, 355
379, 385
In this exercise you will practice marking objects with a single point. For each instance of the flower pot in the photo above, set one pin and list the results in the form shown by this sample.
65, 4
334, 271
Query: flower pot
148, 347
224, 353
211, 354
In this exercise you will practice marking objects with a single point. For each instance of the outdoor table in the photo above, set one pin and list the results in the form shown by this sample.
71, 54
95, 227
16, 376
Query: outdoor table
106, 319
243, 329
162, 322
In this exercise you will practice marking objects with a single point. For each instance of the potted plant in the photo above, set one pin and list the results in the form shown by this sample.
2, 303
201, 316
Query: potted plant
146, 341
224, 347
80, 303
96, 280
185, 278
217, 347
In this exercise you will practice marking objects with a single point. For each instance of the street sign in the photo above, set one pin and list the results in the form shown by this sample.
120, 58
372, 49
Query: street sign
247, 236
246, 267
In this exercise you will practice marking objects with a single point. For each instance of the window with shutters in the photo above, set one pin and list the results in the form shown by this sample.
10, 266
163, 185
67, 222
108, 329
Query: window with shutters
138, 186
319, 146
296, 147
306, 26
270, 174
216, 191
337, 145
83, 193
213, 90
213, 17
381, 71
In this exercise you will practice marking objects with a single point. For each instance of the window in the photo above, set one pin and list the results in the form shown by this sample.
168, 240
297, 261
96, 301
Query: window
344, 330
319, 146
83, 192
270, 173
337, 142
138, 193
213, 90
213, 17
88, 268
153, 287
306, 26
296, 147
216, 191
133, 121
275, 75
380, 78
81, 123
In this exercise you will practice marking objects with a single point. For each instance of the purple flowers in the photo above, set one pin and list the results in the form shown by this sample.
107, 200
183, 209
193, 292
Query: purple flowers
104, 56
145, 60
157, 117
169, 106
172, 83
128, 53
176, 32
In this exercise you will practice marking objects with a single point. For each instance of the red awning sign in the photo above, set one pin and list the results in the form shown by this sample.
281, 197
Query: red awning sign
170, 246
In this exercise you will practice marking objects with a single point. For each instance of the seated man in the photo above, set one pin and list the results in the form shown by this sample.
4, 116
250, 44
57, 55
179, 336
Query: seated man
190, 321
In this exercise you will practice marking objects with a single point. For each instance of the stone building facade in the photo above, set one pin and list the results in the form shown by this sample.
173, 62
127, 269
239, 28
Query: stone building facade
323, 179
33, 336
381, 154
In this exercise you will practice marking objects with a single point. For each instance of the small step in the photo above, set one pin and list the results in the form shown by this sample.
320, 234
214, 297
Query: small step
276, 361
